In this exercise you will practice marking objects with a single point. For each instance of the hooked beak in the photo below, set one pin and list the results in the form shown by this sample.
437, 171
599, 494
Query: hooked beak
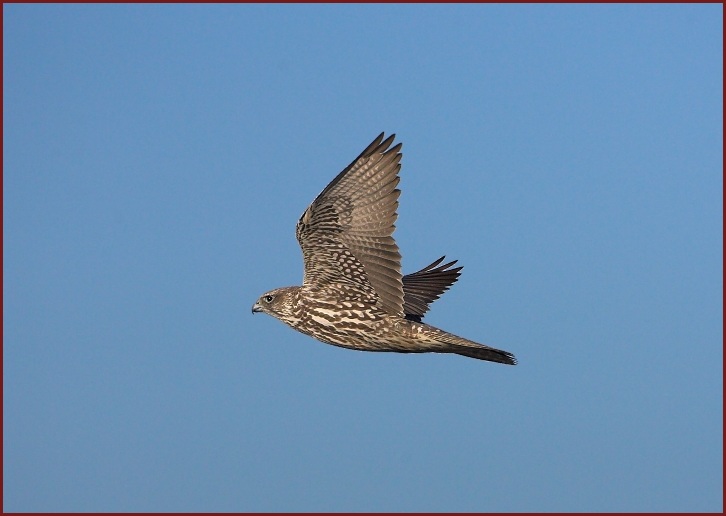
256, 308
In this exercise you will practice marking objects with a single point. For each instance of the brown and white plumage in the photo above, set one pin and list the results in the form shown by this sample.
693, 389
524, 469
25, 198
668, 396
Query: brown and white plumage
353, 294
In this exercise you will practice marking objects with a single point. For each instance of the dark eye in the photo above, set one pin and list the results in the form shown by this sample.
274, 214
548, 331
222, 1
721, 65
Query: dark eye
268, 299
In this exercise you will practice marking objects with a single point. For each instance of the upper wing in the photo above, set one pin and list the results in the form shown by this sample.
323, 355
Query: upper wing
346, 234
422, 288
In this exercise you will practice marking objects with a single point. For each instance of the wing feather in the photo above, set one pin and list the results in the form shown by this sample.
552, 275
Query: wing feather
346, 234
423, 287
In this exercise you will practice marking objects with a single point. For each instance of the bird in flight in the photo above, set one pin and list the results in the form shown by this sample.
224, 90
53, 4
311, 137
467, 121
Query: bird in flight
353, 294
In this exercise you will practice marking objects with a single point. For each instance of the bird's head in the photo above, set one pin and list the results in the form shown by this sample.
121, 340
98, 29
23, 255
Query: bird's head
279, 303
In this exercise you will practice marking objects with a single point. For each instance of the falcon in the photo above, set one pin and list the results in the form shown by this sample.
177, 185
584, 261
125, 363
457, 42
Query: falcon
353, 294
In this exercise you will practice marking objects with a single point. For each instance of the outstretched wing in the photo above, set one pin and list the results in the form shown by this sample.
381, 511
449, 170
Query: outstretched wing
346, 234
422, 288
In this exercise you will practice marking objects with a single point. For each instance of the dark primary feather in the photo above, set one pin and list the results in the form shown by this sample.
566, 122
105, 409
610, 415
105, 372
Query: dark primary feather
423, 287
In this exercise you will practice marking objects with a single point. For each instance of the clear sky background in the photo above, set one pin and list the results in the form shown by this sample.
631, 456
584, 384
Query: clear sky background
156, 160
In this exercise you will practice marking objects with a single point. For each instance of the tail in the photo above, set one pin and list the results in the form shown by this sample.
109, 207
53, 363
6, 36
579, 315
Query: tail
467, 348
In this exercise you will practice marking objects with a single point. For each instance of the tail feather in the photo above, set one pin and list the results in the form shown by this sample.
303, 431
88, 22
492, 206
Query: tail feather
468, 348
485, 353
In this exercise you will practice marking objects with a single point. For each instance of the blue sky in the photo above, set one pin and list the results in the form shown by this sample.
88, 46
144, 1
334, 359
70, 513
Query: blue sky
157, 157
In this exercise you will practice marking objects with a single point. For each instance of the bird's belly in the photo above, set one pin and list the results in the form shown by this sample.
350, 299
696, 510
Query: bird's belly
367, 331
